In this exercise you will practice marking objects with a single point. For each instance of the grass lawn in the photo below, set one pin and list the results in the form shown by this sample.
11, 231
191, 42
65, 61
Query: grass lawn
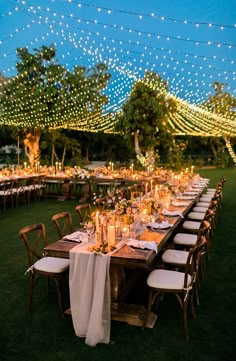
42, 336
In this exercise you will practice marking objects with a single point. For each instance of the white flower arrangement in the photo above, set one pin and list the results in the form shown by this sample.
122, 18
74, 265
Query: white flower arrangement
82, 173
123, 206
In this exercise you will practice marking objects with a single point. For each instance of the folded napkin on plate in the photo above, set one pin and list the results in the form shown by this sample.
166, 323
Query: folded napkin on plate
177, 203
189, 193
155, 226
142, 244
198, 188
165, 212
77, 236
185, 197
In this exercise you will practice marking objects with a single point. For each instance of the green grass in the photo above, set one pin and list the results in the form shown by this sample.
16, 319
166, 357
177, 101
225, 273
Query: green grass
42, 335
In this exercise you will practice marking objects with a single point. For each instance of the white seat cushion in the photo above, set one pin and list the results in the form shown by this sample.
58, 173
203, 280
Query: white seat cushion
205, 199
175, 256
166, 279
198, 216
52, 264
185, 239
203, 204
200, 209
191, 225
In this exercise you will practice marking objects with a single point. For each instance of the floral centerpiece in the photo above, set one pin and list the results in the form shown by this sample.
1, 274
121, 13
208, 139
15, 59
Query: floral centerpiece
81, 173
101, 248
123, 207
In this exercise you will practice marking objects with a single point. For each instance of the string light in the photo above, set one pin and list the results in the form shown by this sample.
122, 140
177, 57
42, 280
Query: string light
129, 52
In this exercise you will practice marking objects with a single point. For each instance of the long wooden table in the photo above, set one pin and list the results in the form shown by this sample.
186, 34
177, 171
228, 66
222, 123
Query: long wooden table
126, 258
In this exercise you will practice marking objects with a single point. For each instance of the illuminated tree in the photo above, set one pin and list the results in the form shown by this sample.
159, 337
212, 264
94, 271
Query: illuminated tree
45, 95
223, 104
145, 114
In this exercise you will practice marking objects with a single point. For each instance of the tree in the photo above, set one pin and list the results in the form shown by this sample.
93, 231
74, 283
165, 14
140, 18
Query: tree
145, 114
45, 95
222, 103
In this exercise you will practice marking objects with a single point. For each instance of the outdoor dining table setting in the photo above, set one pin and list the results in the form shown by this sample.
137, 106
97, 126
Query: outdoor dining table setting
99, 258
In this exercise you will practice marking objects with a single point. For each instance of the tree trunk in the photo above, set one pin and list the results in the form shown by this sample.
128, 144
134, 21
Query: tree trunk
150, 157
63, 156
32, 151
136, 143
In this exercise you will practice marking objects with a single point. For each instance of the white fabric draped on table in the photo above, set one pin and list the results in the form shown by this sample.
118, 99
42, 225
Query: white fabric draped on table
90, 301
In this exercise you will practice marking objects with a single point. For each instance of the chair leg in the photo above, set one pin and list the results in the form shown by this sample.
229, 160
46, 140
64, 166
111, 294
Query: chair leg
185, 308
32, 281
58, 285
148, 308
192, 304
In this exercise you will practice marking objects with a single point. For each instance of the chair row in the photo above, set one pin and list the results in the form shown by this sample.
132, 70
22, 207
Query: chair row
15, 191
184, 261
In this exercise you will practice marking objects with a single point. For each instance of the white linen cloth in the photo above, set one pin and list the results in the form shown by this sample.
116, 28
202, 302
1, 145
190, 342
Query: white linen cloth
90, 301
166, 212
142, 244
76, 236
162, 225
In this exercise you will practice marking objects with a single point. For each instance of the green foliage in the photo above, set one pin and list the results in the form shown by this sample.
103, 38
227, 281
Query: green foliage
145, 112
45, 94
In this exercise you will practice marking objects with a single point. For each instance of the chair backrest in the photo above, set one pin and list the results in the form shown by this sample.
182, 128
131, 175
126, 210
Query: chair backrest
204, 228
193, 260
34, 238
63, 223
101, 203
84, 211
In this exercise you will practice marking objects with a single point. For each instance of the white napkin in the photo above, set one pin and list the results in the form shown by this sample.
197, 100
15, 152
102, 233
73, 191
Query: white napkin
76, 236
185, 197
189, 193
177, 203
162, 225
165, 212
142, 244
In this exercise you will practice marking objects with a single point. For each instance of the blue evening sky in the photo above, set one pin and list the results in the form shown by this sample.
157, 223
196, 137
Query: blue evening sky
190, 43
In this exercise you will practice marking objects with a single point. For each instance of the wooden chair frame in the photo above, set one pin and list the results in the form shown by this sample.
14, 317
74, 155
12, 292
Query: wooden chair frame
34, 237
63, 223
186, 293
84, 211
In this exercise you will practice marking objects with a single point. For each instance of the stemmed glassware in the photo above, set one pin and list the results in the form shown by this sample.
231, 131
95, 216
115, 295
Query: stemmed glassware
90, 229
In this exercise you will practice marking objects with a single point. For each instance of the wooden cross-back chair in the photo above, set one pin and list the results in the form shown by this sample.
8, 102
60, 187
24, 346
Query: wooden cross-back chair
6, 194
63, 223
181, 284
84, 211
101, 203
34, 238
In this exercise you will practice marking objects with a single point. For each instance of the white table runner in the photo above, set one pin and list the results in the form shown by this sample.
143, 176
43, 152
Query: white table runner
90, 301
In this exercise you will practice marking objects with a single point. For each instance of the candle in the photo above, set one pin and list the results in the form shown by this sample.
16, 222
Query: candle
151, 184
111, 235
156, 191
192, 169
146, 189
97, 221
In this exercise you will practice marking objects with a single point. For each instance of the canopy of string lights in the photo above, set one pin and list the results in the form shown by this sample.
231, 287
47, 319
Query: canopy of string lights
189, 45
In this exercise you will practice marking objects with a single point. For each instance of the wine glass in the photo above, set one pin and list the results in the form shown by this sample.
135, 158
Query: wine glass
90, 229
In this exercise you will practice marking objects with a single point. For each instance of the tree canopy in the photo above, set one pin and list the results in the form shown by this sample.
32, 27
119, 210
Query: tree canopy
144, 114
45, 94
